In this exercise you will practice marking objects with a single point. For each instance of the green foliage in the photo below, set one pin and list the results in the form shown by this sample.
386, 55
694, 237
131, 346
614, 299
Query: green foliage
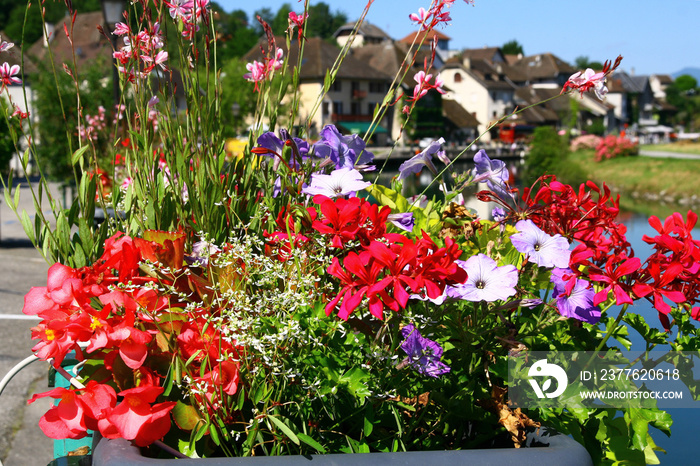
7, 145
56, 107
236, 36
512, 47
426, 118
582, 62
547, 151
684, 94
12, 17
322, 23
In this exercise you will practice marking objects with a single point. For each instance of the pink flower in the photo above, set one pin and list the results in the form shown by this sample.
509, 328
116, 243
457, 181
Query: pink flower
6, 46
297, 21
421, 17
586, 80
424, 85
19, 113
8, 74
257, 72
121, 29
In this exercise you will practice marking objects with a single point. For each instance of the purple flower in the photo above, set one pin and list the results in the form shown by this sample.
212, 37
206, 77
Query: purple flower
341, 182
201, 252
425, 159
404, 220
494, 172
574, 296
344, 151
486, 281
423, 354
276, 146
541, 248
498, 214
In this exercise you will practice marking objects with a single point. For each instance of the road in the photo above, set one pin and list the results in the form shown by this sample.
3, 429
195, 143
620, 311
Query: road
21, 266
667, 155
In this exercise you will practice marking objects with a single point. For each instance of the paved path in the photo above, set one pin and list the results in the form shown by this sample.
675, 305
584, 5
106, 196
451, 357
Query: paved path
21, 266
665, 154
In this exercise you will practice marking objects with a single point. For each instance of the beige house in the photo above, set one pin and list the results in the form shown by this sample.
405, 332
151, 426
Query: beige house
479, 86
350, 101
367, 34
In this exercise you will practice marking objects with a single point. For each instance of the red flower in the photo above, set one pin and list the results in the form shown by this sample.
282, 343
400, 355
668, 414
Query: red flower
662, 285
137, 419
613, 276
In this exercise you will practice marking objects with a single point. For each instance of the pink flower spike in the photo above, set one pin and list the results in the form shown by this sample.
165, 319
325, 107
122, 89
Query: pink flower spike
8, 74
297, 20
121, 29
4, 46
421, 17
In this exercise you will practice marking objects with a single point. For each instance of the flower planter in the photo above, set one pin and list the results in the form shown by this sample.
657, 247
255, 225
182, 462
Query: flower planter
543, 448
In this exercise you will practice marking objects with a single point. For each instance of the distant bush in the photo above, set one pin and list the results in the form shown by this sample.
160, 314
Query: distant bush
547, 152
589, 141
613, 146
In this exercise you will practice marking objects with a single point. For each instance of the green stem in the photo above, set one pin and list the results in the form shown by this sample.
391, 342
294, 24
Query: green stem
615, 326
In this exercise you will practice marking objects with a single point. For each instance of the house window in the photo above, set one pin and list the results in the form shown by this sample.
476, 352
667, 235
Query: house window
458, 77
326, 108
354, 86
355, 108
370, 108
336, 86
376, 86
338, 107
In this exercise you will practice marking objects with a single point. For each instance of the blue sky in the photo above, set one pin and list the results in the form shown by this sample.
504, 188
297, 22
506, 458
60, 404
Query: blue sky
653, 36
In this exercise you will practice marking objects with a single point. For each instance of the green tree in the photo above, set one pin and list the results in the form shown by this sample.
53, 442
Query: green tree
512, 47
57, 128
547, 151
281, 21
322, 23
684, 94
235, 92
582, 62
7, 147
12, 16
686, 83
266, 15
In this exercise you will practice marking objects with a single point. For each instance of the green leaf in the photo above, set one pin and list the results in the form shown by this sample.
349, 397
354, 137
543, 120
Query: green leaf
311, 442
369, 420
186, 416
78, 154
27, 225
16, 204
284, 428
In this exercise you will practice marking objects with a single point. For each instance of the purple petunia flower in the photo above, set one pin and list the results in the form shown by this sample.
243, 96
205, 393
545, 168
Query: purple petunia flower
424, 159
493, 172
404, 220
541, 248
341, 182
486, 281
574, 296
344, 151
423, 354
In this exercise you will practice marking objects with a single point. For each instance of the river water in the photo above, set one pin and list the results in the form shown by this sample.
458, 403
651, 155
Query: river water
680, 447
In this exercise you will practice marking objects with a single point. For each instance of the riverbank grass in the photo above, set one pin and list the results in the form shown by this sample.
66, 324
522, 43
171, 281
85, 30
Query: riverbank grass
677, 147
654, 185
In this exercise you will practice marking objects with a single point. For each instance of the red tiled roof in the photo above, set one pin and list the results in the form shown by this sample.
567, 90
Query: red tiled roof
419, 35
